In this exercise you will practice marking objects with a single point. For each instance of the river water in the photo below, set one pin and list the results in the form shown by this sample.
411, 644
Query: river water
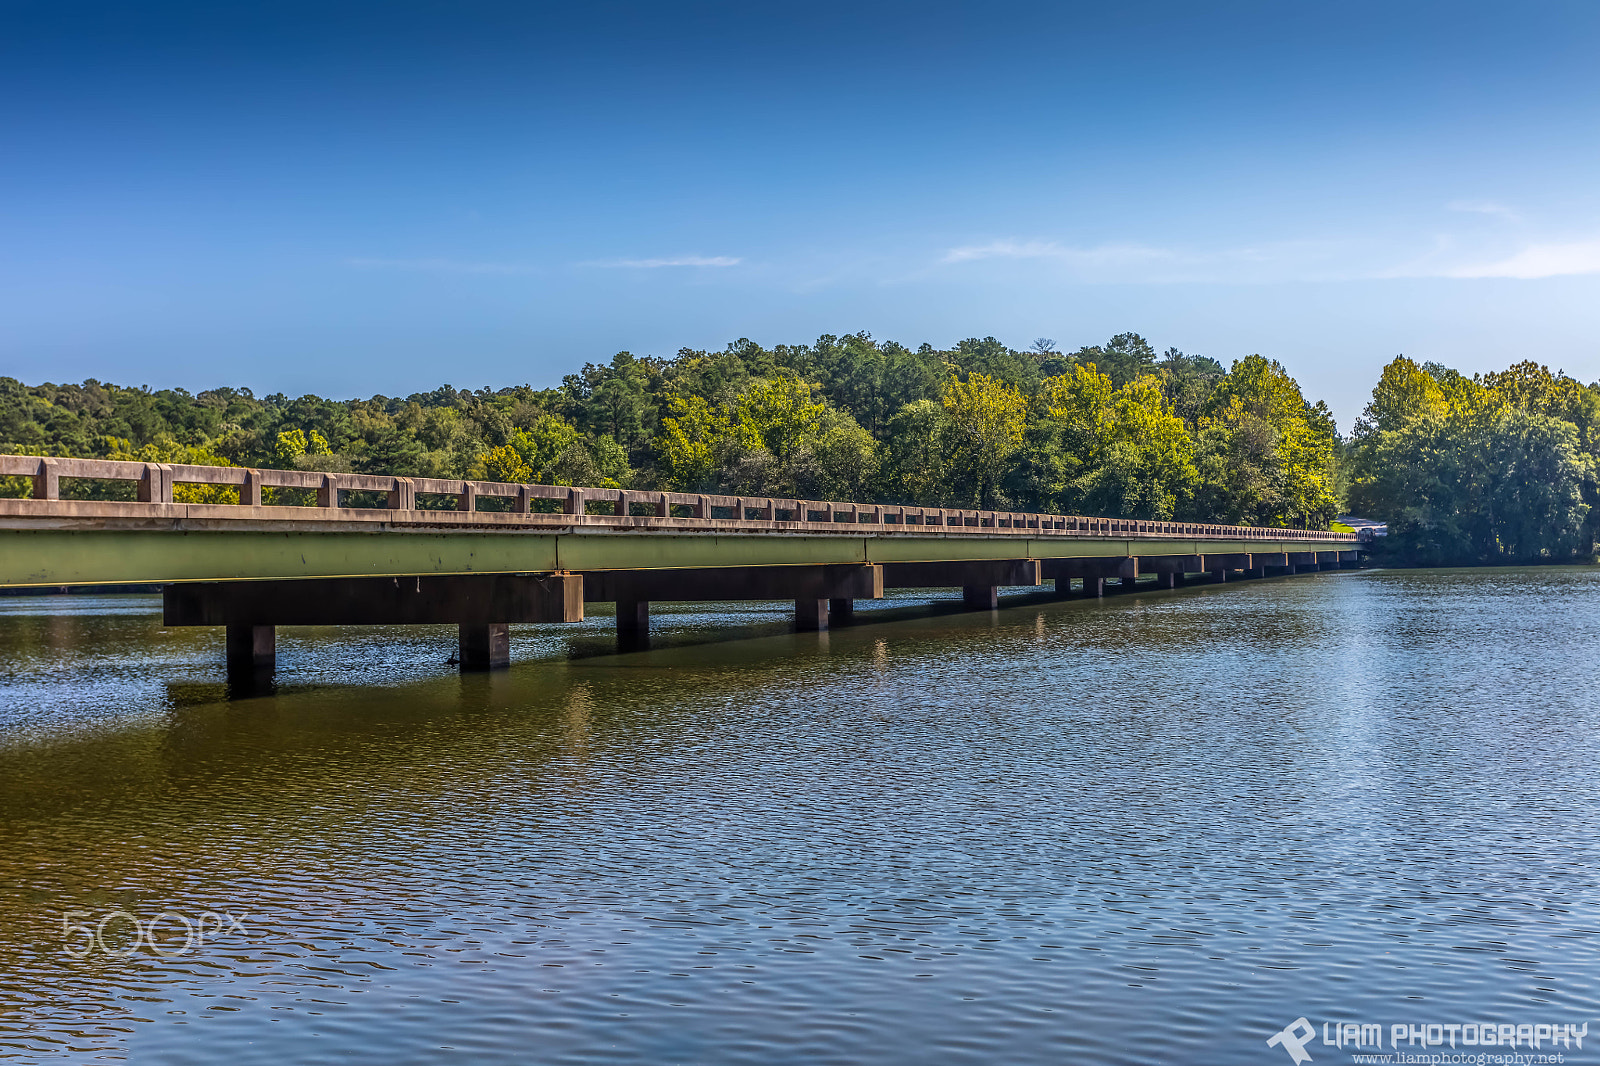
1159, 828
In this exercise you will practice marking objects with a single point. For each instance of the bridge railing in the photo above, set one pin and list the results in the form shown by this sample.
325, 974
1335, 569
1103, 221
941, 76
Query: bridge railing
614, 508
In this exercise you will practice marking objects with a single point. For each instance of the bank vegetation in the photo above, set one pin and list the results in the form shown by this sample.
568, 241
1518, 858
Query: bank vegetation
1481, 469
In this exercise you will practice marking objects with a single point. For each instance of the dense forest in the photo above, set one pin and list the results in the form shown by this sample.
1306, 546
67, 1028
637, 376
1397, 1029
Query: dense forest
1497, 467
1465, 469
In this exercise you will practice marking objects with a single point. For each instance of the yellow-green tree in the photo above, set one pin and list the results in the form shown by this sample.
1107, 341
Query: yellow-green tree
505, 463
1124, 452
773, 438
552, 451
1265, 455
986, 420
694, 437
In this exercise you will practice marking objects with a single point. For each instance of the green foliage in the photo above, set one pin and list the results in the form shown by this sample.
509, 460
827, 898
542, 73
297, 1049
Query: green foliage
1126, 452
985, 419
1111, 429
1123, 358
1495, 468
771, 438
1265, 456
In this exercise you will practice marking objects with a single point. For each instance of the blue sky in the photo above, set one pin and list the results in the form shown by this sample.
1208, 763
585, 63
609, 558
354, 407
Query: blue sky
350, 198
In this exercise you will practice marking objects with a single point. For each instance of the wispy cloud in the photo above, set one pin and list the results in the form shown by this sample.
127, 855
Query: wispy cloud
1484, 207
674, 261
1326, 260
1009, 249
1131, 263
438, 266
1036, 249
1537, 261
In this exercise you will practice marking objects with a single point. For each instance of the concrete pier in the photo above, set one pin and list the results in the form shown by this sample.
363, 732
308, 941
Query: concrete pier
633, 624
980, 597
484, 645
251, 650
810, 615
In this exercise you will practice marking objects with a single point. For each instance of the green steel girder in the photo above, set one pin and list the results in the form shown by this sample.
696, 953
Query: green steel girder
48, 557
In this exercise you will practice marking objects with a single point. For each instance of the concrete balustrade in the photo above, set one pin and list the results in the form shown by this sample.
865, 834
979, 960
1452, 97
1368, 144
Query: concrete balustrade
570, 506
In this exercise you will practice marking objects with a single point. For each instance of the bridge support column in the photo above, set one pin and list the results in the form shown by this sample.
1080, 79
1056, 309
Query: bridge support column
1095, 571
633, 624
1301, 562
980, 597
251, 650
1168, 580
1220, 575
484, 646
810, 616
841, 612
1063, 587
1129, 582
1257, 571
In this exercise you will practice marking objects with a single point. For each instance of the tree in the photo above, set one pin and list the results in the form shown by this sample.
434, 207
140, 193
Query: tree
1477, 470
1266, 456
1404, 391
915, 470
986, 419
1122, 358
619, 404
1124, 451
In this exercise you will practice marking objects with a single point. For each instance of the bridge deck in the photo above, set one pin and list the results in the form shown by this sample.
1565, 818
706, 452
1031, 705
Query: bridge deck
48, 541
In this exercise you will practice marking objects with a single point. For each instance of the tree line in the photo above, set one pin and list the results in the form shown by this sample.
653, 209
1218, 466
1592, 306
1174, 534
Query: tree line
1483, 469
1114, 429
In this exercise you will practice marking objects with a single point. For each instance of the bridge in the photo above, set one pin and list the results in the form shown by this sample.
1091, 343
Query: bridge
313, 548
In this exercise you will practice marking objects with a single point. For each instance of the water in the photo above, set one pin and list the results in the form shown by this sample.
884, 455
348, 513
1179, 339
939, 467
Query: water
1154, 829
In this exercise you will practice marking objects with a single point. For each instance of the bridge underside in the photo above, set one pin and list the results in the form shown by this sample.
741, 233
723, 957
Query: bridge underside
482, 606
251, 581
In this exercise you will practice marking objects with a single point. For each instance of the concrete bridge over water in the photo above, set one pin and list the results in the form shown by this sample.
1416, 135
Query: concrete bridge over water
355, 549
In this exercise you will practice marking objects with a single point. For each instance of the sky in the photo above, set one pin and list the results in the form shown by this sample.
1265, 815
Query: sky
350, 199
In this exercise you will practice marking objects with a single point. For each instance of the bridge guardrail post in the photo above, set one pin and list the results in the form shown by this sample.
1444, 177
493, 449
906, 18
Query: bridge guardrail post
250, 490
47, 482
155, 486
403, 497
